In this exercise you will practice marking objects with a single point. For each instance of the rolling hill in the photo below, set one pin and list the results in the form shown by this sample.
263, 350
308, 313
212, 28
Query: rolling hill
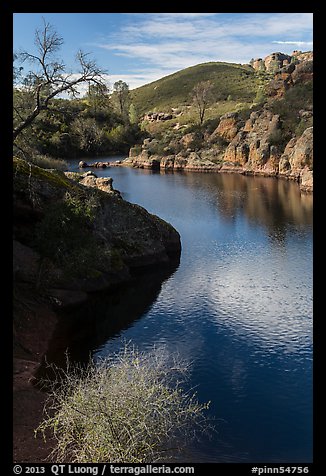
231, 81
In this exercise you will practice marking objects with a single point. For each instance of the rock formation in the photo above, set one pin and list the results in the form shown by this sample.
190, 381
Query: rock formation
113, 238
158, 116
277, 61
91, 180
255, 150
257, 145
297, 159
228, 126
287, 69
250, 147
190, 161
119, 236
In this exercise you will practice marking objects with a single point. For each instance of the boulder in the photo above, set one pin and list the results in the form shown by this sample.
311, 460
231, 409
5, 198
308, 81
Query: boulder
188, 139
102, 183
167, 162
306, 180
228, 127
276, 61
146, 161
120, 235
299, 151
250, 148
303, 72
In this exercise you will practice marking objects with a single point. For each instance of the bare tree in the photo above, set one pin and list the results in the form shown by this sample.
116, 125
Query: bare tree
201, 96
48, 76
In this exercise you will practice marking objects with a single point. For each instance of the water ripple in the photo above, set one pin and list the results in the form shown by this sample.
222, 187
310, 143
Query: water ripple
239, 307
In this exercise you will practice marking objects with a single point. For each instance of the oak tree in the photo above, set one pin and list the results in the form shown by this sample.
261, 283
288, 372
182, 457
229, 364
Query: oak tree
47, 77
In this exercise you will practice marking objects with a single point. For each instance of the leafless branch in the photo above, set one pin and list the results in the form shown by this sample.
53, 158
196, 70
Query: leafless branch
49, 78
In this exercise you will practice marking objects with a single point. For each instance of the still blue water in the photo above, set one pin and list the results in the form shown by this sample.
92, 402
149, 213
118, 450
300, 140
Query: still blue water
239, 306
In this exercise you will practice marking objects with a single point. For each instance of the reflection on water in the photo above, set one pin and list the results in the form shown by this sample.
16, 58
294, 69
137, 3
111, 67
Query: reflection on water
103, 317
271, 202
239, 307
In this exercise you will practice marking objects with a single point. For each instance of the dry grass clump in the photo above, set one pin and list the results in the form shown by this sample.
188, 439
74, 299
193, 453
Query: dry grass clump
130, 408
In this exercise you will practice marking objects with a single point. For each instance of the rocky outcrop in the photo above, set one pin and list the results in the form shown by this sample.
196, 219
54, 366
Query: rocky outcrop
190, 161
113, 236
193, 162
254, 147
228, 127
303, 72
297, 159
187, 160
251, 148
158, 116
89, 179
99, 165
145, 160
255, 150
302, 56
277, 61
288, 70
272, 62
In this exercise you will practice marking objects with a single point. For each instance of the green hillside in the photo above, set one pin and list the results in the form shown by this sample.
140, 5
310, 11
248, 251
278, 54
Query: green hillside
231, 81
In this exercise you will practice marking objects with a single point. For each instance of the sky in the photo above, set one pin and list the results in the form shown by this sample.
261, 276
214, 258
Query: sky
139, 48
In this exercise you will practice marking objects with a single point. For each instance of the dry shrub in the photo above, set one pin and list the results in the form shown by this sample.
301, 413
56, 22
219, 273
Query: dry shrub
130, 408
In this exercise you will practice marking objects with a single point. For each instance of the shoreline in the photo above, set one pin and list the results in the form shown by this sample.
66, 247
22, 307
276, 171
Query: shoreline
203, 169
31, 340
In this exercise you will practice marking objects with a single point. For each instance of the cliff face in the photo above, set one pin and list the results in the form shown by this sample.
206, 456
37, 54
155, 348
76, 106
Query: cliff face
260, 145
256, 151
253, 148
297, 160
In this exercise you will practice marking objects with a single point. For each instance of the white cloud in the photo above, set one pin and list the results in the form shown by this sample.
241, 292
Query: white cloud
168, 42
134, 80
241, 296
295, 43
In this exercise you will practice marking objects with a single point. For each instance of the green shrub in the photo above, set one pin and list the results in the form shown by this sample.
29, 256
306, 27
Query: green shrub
279, 138
297, 98
65, 235
211, 124
303, 125
129, 408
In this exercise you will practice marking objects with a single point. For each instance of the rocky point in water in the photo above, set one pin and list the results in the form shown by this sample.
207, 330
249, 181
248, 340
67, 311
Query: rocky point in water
116, 235
73, 235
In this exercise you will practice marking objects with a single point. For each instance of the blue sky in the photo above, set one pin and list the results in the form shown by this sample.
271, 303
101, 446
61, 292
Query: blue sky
142, 47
